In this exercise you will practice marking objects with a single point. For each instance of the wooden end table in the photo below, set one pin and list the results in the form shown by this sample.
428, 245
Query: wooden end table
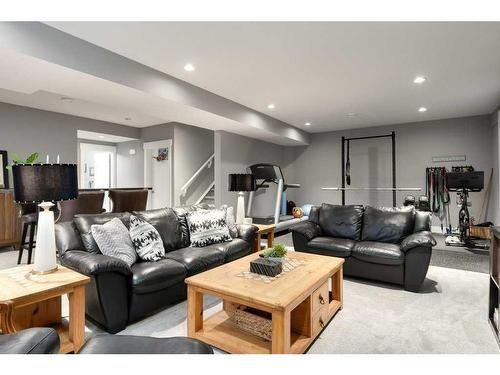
35, 301
299, 303
264, 229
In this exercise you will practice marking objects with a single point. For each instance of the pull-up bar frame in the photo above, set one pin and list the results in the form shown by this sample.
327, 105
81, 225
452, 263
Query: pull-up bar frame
393, 141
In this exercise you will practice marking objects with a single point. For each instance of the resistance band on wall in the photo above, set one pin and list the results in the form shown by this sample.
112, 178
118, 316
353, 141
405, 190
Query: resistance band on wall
437, 191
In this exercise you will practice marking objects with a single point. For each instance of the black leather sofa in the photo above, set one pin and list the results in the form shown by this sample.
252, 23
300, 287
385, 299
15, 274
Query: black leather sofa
30, 341
119, 294
386, 244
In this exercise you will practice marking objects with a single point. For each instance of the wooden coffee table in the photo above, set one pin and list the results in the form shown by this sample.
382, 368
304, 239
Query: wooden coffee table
300, 303
35, 301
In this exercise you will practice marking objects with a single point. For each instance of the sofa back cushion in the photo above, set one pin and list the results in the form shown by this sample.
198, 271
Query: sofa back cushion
84, 223
173, 233
341, 221
422, 221
314, 214
387, 224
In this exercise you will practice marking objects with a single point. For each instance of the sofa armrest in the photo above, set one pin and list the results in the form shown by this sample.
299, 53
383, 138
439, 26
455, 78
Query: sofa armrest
424, 239
308, 229
247, 232
93, 264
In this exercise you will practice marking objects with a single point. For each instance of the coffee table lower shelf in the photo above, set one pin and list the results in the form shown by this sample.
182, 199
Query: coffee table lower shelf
219, 331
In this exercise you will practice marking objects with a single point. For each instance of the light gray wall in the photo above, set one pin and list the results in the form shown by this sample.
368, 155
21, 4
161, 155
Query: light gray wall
318, 165
494, 214
129, 168
234, 153
192, 147
25, 130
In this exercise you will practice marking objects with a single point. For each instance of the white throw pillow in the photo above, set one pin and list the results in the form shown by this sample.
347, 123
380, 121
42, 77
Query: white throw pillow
146, 239
114, 240
207, 227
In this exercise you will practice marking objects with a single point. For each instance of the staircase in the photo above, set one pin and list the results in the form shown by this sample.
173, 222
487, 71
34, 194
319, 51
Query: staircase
209, 197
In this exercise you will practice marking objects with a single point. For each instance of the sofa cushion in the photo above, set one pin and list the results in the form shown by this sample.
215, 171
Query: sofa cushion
387, 224
173, 235
378, 252
114, 240
197, 259
341, 221
335, 247
84, 223
149, 277
233, 250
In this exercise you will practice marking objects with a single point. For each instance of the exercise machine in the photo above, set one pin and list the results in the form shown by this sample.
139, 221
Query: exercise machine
266, 174
463, 183
346, 169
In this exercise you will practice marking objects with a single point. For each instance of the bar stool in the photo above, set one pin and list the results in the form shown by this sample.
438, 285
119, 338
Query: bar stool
29, 220
128, 200
88, 202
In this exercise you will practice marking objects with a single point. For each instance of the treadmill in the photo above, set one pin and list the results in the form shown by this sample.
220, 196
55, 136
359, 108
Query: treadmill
266, 174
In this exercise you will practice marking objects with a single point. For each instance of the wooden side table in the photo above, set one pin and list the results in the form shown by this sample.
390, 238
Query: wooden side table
264, 229
36, 302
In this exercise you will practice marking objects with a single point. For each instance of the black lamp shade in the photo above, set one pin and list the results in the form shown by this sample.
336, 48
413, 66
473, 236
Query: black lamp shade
241, 182
45, 182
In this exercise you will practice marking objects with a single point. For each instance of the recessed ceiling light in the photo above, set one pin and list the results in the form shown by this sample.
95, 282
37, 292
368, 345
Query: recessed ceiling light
419, 79
307, 124
271, 106
351, 114
422, 109
101, 136
189, 67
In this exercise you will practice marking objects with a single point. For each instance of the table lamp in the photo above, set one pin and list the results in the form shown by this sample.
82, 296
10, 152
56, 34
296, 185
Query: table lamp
45, 184
241, 183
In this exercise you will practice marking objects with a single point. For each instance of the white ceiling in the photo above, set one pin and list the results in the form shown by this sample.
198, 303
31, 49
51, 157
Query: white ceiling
32, 82
319, 72
102, 137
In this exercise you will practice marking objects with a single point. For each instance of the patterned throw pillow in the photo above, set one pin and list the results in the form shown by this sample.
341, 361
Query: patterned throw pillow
114, 240
146, 239
207, 227
230, 220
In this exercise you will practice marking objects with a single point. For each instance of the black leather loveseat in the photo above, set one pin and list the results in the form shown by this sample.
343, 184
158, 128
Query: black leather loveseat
119, 294
386, 244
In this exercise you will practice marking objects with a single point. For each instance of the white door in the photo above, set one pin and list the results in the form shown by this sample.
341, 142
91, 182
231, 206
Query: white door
158, 173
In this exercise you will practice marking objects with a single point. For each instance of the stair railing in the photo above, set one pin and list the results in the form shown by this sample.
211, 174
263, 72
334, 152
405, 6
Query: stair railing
207, 164
205, 193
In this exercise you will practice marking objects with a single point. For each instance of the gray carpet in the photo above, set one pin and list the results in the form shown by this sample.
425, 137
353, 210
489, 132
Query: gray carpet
448, 316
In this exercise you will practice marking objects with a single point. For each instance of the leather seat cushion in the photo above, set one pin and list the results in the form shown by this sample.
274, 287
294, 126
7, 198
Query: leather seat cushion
341, 221
173, 233
378, 252
388, 224
30, 341
197, 259
233, 250
336, 247
149, 277
123, 344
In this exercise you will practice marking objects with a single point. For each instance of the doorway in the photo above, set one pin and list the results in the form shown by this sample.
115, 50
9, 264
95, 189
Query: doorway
97, 167
158, 173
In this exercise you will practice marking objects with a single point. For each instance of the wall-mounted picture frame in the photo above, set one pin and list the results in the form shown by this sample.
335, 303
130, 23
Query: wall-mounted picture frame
4, 175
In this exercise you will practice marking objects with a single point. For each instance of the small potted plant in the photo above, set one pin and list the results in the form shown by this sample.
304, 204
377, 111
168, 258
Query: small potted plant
276, 253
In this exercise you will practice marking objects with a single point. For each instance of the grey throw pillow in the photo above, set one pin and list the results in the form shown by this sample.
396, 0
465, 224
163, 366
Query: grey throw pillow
146, 239
231, 221
207, 227
114, 240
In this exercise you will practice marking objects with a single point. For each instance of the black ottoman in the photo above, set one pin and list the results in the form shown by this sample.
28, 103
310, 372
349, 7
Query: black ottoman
30, 341
116, 344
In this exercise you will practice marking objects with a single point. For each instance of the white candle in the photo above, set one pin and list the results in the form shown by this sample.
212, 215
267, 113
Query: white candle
47, 159
57, 159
